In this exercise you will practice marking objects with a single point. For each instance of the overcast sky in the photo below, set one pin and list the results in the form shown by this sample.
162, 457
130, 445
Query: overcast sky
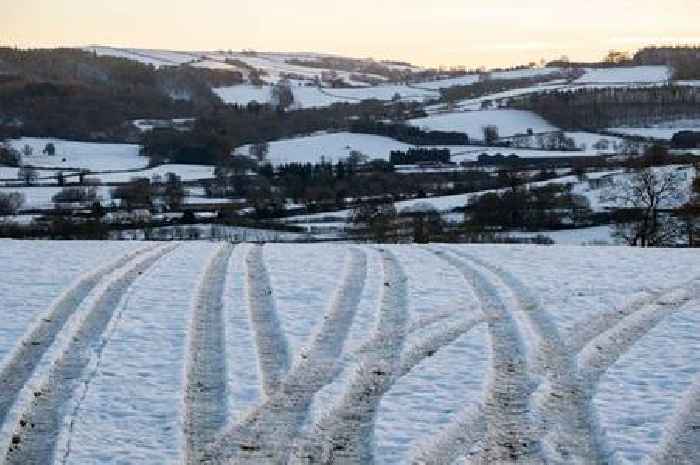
426, 32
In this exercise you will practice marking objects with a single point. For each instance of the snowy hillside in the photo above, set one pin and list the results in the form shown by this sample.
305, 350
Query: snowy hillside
632, 74
509, 122
161, 352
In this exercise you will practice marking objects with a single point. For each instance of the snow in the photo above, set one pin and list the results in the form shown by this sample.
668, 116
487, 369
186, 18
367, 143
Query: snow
89, 155
641, 392
133, 407
185, 172
470, 79
156, 58
597, 235
633, 74
315, 97
242, 94
655, 133
34, 276
303, 283
40, 197
332, 147
509, 122
449, 301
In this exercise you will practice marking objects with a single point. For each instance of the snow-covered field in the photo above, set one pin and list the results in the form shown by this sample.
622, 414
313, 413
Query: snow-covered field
664, 131
316, 97
160, 353
332, 147
508, 122
632, 74
89, 155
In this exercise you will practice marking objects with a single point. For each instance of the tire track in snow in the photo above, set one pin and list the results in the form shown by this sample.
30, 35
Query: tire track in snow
266, 435
205, 391
510, 436
679, 445
568, 430
40, 417
455, 440
22, 363
344, 434
271, 343
604, 350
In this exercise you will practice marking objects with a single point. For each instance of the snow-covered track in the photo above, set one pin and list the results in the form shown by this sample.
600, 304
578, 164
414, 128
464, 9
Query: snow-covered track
36, 419
205, 392
453, 442
272, 346
567, 427
344, 434
265, 436
603, 351
679, 445
22, 362
510, 434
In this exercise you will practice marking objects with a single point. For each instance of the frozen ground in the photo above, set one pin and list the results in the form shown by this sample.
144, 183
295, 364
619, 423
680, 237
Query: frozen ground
632, 74
509, 122
347, 353
88, 155
332, 147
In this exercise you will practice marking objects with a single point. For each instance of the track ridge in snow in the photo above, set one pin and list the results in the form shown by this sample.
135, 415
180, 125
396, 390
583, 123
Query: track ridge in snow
568, 429
22, 362
265, 436
344, 435
679, 445
271, 343
510, 432
604, 350
41, 411
205, 390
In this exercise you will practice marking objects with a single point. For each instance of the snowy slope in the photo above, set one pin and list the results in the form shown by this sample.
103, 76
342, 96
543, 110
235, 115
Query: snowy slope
633, 74
332, 147
387, 354
509, 122
89, 155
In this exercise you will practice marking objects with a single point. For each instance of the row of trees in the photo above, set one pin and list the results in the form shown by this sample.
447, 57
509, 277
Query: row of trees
613, 107
407, 133
417, 155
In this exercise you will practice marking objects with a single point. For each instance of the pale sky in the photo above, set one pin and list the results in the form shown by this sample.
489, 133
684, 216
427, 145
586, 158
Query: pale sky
425, 32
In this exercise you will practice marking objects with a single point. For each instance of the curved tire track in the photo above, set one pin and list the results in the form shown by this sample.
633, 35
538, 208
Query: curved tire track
510, 436
23, 361
266, 435
679, 445
40, 419
568, 430
344, 435
205, 393
271, 344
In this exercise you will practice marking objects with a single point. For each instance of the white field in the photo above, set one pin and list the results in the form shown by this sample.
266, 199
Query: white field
315, 97
90, 155
509, 122
631, 74
155, 353
656, 133
332, 147
156, 58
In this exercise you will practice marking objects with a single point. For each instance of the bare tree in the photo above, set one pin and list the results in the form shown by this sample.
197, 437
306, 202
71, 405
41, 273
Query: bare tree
640, 197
